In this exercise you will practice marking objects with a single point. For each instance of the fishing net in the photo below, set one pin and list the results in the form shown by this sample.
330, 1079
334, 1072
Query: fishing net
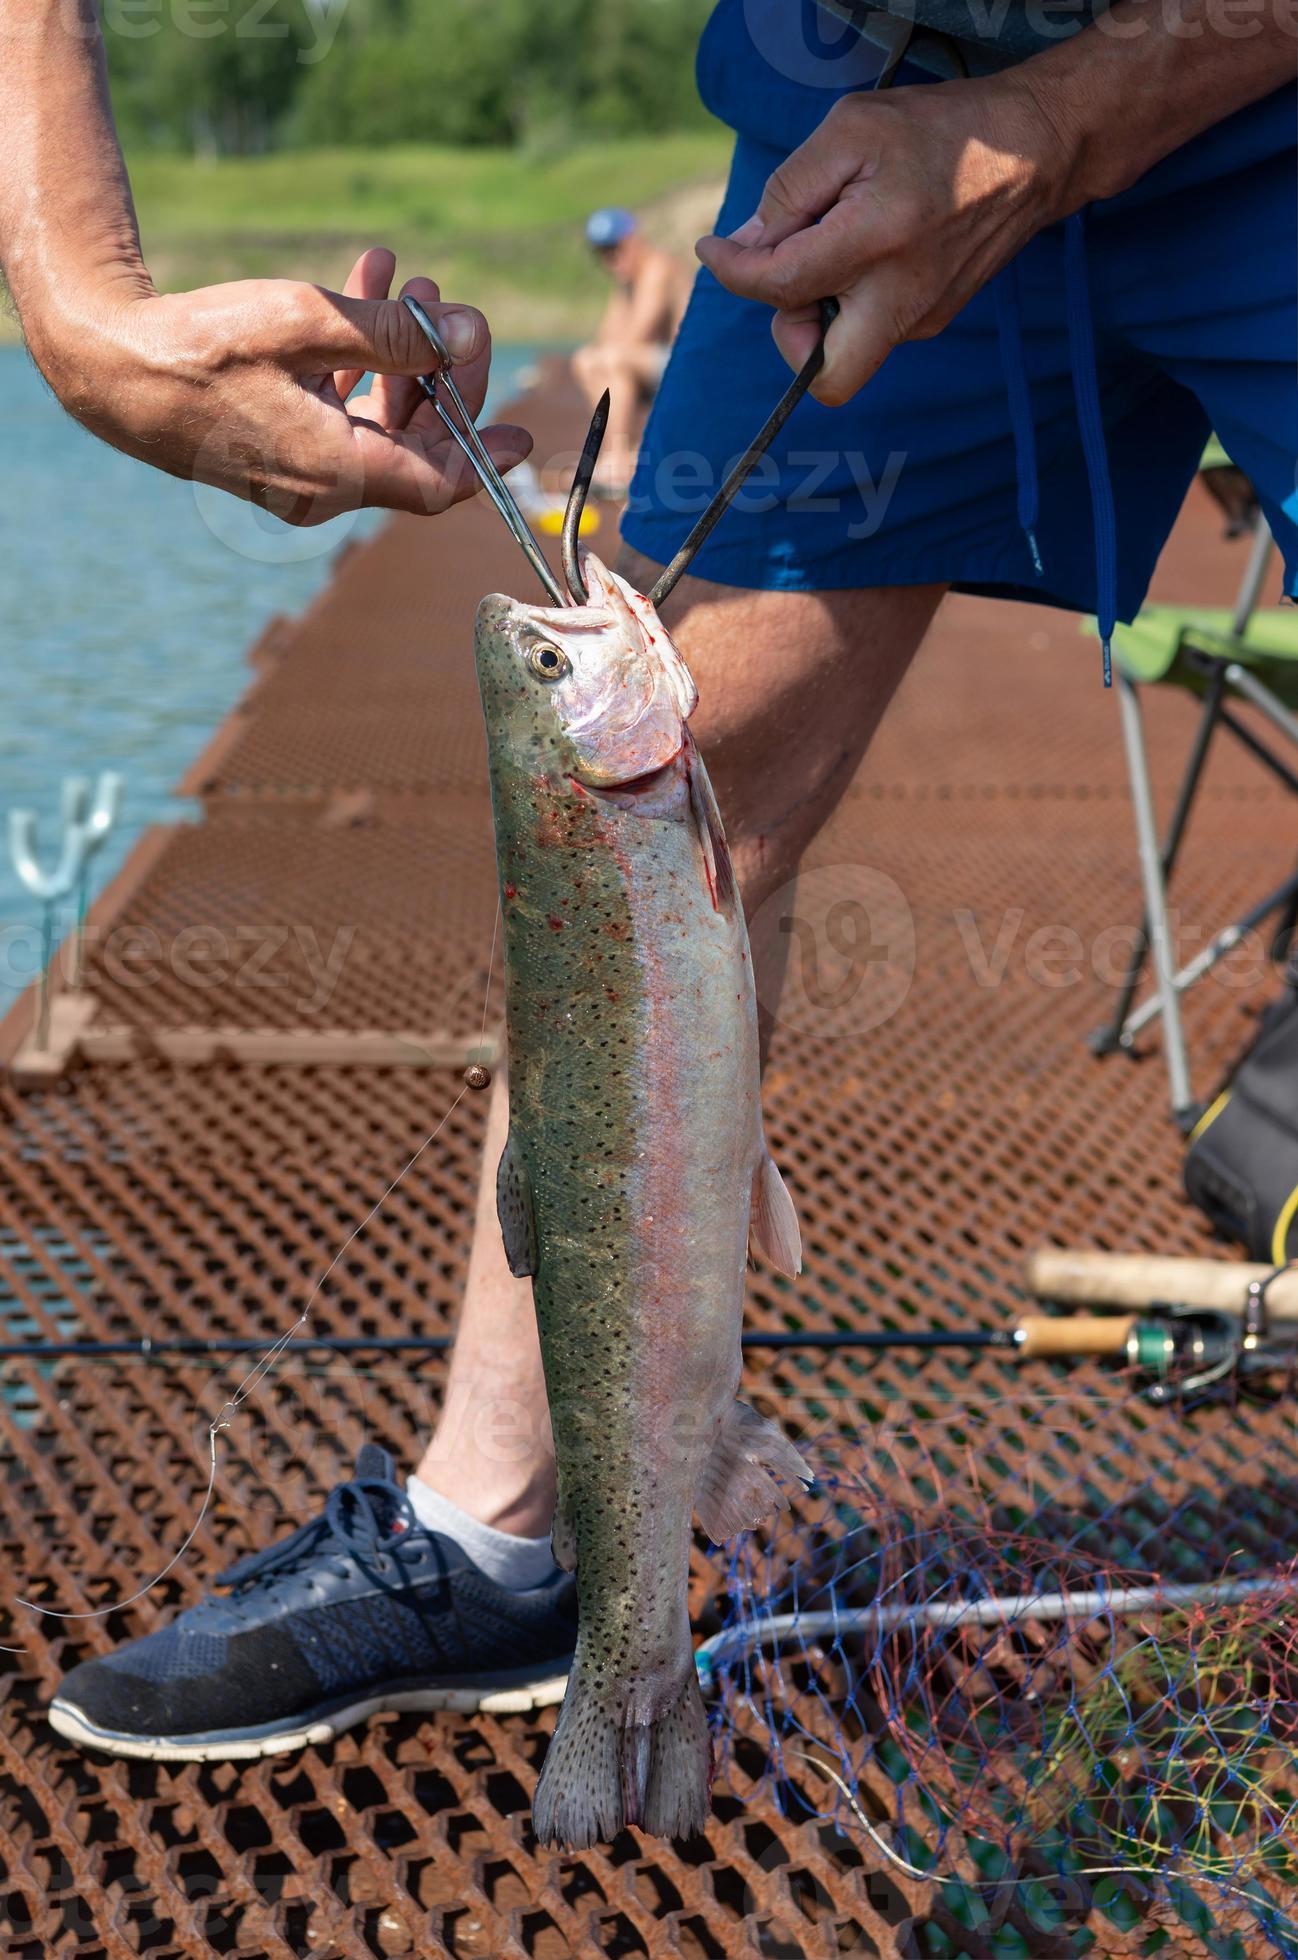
1003, 1659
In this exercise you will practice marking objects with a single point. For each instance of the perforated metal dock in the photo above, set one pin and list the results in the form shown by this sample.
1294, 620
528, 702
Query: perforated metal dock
193, 1172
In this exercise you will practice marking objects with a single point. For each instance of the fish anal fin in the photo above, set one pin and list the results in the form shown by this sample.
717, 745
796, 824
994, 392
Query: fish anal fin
514, 1210
773, 1219
738, 1487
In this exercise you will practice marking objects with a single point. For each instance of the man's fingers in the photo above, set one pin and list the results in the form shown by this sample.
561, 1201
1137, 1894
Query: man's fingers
855, 346
425, 473
812, 265
507, 443
471, 376
397, 396
797, 334
310, 330
370, 278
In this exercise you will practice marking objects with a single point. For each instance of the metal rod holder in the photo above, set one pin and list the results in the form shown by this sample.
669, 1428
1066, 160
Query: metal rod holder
85, 822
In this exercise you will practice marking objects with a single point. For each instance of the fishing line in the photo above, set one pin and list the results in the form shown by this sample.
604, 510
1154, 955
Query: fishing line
981, 1884
268, 1360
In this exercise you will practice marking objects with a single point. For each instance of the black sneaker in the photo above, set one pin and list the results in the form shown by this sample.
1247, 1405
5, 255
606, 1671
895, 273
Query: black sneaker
360, 1612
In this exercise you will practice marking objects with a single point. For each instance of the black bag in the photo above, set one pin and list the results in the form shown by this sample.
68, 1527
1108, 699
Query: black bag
1241, 1166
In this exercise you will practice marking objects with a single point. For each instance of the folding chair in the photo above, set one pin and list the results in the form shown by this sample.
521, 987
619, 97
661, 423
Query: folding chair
1224, 658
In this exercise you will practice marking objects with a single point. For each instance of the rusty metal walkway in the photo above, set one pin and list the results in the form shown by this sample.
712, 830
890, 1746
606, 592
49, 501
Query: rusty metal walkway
283, 995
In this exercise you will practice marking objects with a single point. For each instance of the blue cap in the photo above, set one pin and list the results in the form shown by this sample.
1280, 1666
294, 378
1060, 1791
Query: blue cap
609, 227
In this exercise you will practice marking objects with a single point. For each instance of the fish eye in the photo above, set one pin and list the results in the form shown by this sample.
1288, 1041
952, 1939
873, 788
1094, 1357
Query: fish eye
547, 661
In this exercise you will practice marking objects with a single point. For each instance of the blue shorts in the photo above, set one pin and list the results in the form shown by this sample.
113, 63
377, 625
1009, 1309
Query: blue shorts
1189, 279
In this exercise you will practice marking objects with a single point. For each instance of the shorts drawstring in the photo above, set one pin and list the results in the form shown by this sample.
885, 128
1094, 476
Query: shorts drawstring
1009, 323
1086, 393
1086, 390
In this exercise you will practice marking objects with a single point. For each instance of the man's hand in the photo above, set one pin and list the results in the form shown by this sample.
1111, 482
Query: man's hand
899, 206
250, 386
244, 386
923, 194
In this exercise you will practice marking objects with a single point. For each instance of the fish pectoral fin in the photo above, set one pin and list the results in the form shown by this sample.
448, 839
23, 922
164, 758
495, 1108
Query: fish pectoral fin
738, 1487
711, 833
773, 1221
514, 1210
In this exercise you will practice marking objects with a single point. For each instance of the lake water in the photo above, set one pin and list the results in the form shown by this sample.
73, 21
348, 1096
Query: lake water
127, 603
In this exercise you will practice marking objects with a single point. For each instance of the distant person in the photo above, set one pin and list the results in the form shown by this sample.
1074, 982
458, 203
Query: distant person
629, 353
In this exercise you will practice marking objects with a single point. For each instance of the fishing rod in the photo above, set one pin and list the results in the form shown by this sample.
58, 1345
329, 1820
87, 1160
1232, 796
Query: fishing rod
146, 1348
1134, 1279
1152, 1346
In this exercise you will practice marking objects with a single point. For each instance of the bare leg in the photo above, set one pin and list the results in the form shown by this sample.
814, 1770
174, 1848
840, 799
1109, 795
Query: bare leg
491, 1452
791, 688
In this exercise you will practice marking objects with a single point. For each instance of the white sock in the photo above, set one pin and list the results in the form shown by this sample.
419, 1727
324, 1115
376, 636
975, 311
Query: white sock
518, 1564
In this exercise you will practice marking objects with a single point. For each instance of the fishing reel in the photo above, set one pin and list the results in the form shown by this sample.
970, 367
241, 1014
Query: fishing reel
1205, 1354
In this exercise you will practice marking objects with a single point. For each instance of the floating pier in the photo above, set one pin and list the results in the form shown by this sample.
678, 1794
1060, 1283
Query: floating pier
276, 1007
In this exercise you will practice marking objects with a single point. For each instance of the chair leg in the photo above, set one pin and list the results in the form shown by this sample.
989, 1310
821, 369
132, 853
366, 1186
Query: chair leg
1113, 1035
1282, 944
1151, 872
1250, 591
1223, 942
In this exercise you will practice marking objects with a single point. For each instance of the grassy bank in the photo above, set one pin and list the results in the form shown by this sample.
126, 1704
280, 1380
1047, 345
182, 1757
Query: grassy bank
499, 227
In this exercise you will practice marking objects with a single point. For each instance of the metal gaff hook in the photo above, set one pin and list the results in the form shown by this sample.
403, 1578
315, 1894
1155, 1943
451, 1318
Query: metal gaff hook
577, 500
757, 448
476, 450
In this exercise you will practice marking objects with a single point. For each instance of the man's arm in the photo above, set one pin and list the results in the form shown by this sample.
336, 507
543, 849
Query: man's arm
923, 194
240, 385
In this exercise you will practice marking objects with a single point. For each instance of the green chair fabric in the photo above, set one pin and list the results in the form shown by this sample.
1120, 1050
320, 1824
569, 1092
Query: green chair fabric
1150, 649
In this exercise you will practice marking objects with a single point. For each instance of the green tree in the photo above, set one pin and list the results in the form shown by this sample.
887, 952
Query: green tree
225, 76
213, 76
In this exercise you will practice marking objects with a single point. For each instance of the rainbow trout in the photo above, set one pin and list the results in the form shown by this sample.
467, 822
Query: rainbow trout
635, 1173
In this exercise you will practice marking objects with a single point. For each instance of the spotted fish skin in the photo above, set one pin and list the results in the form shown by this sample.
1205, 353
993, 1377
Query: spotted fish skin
636, 1164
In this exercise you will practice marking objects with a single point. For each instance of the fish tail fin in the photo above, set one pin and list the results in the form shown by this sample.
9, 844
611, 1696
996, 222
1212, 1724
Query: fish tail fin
603, 1770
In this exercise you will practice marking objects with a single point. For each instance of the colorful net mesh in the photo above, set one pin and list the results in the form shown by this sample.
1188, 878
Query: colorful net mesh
996, 1677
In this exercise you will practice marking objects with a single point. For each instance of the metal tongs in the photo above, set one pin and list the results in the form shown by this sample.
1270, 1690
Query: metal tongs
464, 432
494, 484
